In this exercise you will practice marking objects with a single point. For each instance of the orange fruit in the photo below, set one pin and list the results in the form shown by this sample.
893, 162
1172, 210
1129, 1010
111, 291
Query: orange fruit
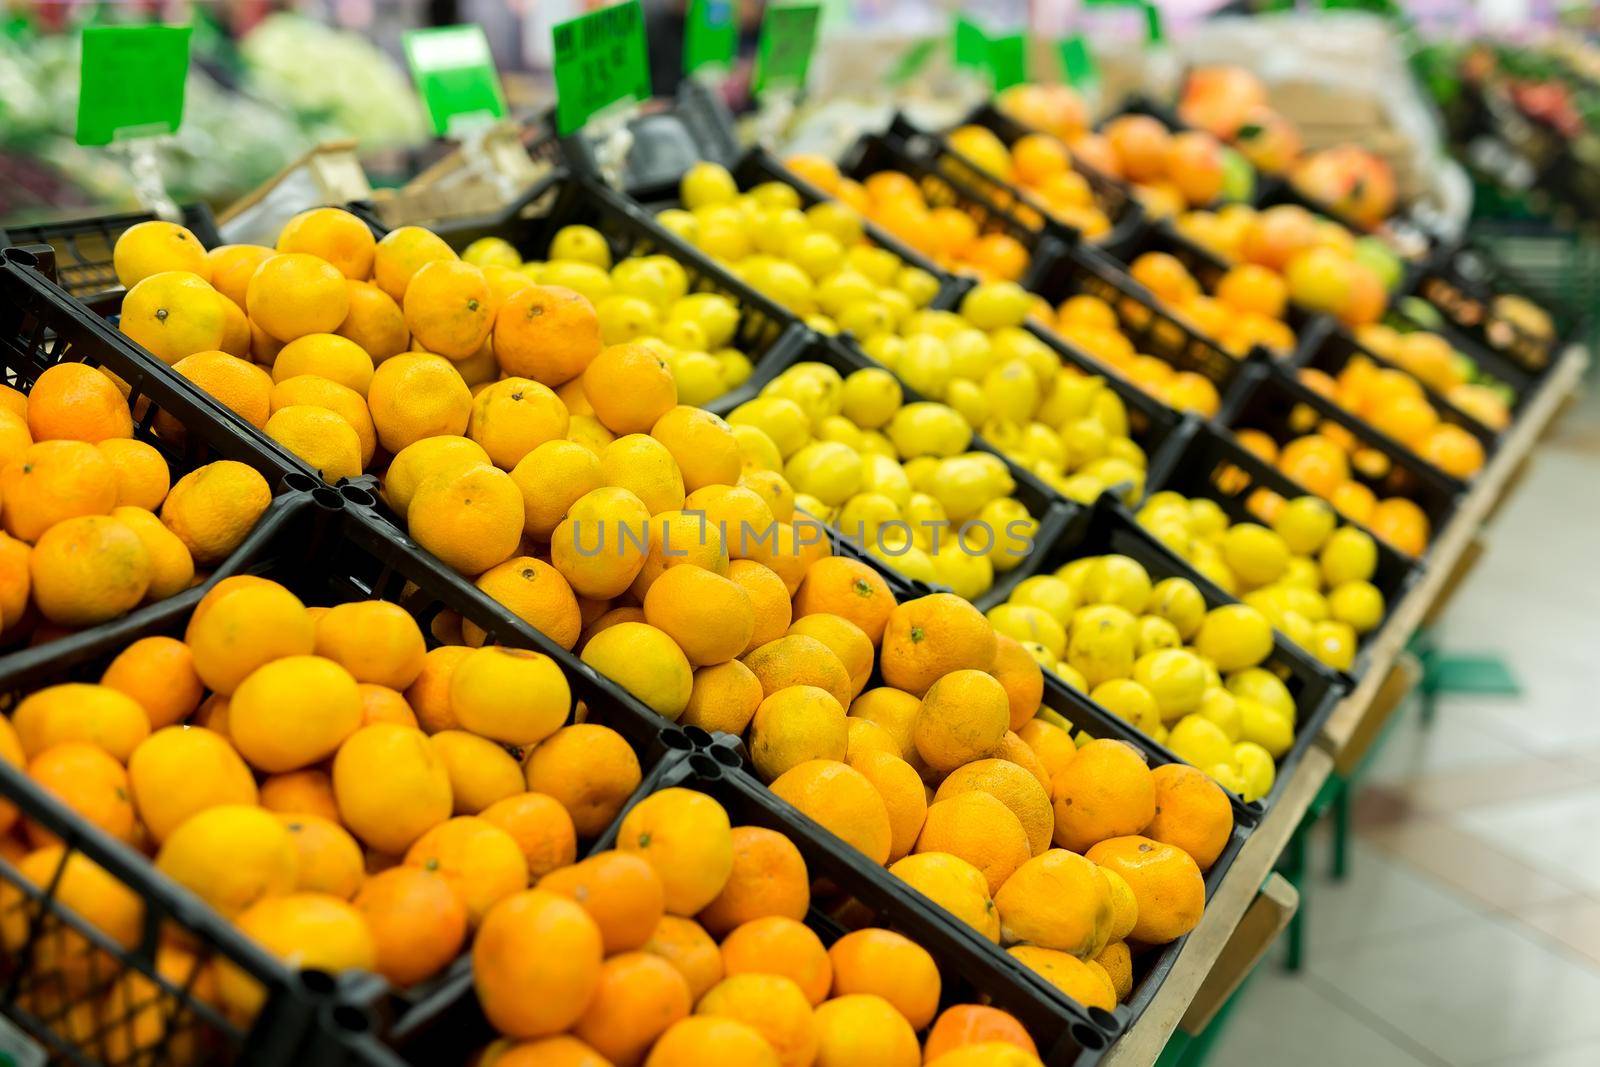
236, 384
964, 718
768, 879
510, 695
73, 401
1354, 501
481, 772
374, 640
150, 247
180, 770
374, 321
599, 547
449, 308
540, 826
620, 891
551, 478
1165, 276
309, 930
1073, 977
782, 946
589, 769
512, 417
723, 698
158, 672
77, 712
309, 791
1192, 812
702, 445
322, 439
480, 861
89, 782
471, 519
684, 944
416, 395
1402, 524
686, 837
978, 828
637, 998
886, 964
771, 1004
242, 624
998, 256
702, 1039
1105, 791
710, 617
961, 1025
1453, 450
1019, 675
630, 387
52, 481
391, 786
849, 589
547, 333
417, 922
230, 856
330, 861
379, 703
902, 793
401, 253
88, 569
536, 963
843, 801
1165, 880
214, 507
769, 599
1140, 143
231, 267
332, 234
294, 294
326, 355
293, 712
1056, 900
1117, 961
534, 592
1015, 787
863, 1028
174, 314
927, 638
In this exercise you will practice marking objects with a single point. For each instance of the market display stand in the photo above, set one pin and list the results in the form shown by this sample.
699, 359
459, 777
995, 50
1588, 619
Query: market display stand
1253, 905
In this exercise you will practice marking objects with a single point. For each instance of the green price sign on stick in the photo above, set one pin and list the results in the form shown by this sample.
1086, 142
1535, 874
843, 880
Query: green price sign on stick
971, 45
1008, 61
130, 83
712, 37
1077, 61
455, 75
783, 54
600, 60
1153, 28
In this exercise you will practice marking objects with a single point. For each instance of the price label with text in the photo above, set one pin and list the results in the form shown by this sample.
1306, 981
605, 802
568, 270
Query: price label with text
783, 54
455, 76
130, 82
600, 60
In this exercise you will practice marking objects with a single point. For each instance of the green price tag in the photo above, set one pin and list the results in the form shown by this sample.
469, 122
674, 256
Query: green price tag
1008, 61
600, 60
712, 38
911, 63
130, 82
1077, 61
455, 76
783, 54
971, 45
1154, 30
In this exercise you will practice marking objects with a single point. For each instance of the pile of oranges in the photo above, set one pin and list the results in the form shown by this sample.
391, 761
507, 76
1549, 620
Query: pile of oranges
1150, 652
1394, 403
94, 524
1445, 370
1327, 461
948, 235
1246, 307
1095, 326
1170, 171
686, 944
1041, 164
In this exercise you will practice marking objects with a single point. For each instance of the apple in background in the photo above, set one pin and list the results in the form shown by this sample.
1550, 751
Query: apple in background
1268, 140
1217, 99
1320, 279
1350, 180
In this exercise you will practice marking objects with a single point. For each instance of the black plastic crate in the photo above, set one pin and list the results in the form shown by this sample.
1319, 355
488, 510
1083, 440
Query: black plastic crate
1464, 282
1271, 399
83, 246
1114, 196
1330, 347
944, 181
757, 165
1211, 464
1142, 317
1109, 529
1047, 507
325, 545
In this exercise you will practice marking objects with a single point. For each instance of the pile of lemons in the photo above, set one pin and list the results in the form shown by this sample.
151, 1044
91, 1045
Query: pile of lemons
900, 479
1152, 654
1310, 576
644, 299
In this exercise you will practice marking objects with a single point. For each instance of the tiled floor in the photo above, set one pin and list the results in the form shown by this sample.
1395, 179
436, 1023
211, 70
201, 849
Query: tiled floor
1467, 932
